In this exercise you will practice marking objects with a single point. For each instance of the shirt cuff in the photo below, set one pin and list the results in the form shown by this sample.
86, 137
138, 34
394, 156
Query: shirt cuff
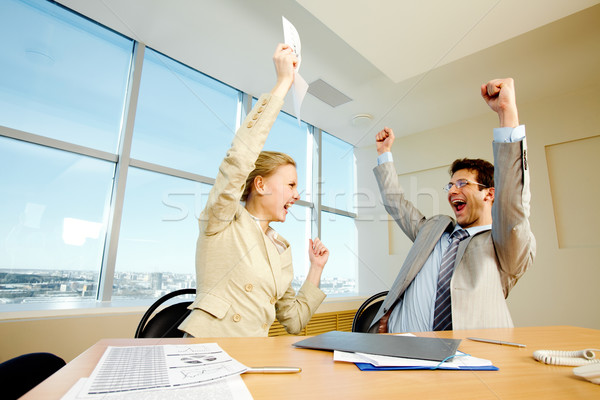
509, 135
385, 157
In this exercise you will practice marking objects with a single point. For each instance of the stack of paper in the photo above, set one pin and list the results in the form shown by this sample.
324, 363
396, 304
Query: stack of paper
372, 362
371, 352
135, 369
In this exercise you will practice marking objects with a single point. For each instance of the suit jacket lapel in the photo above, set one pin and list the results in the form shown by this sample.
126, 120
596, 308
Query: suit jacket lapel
462, 247
274, 258
269, 248
277, 261
416, 258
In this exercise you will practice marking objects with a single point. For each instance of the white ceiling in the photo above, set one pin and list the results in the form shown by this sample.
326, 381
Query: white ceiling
388, 32
412, 65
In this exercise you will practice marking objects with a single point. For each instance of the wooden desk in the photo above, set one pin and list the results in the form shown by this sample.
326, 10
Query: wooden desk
519, 377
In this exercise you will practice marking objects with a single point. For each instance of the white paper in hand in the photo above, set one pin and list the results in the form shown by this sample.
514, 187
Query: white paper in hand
299, 87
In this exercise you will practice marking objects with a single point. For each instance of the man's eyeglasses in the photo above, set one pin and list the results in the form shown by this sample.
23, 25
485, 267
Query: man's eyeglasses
459, 184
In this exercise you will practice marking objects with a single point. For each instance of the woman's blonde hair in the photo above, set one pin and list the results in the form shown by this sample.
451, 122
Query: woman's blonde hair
265, 165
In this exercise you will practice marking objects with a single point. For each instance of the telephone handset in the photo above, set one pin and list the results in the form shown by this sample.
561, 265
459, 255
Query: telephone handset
588, 366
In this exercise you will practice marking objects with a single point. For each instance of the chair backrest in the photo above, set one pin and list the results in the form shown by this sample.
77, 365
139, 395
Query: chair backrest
165, 322
21, 374
366, 312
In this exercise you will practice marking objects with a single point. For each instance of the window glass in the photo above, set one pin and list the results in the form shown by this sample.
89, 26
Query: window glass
296, 230
159, 229
287, 137
340, 276
53, 223
63, 76
185, 119
338, 172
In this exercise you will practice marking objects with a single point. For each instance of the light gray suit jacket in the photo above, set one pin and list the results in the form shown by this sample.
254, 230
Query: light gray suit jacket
488, 264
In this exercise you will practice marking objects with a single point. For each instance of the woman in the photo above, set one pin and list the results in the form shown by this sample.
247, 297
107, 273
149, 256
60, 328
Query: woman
243, 268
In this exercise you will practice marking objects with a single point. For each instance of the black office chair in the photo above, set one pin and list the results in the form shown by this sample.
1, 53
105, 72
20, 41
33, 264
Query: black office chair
21, 374
366, 312
164, 324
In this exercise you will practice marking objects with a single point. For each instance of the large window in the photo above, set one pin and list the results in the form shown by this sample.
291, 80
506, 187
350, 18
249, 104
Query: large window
158, 234
52, 222
63, 77
184, 119
338, 174
338, 232
100, 200
337, 217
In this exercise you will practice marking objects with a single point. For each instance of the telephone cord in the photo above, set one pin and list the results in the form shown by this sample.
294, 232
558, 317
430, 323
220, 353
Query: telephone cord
569, 358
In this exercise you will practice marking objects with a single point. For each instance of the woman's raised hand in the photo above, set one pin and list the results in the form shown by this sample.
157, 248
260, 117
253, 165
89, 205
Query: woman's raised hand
285, 61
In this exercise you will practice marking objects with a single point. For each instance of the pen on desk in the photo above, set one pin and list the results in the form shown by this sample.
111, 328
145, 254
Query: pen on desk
496, 342
273, 370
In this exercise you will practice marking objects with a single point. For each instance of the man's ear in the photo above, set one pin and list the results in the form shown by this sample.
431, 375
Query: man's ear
491, 194
259, 184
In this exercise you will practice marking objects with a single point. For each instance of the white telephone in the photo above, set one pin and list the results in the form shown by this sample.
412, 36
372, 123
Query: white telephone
588, 366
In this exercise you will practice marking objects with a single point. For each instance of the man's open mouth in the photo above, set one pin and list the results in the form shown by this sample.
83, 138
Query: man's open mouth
458, 204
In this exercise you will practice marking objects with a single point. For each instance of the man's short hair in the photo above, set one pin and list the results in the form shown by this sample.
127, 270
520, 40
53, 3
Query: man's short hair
484, 170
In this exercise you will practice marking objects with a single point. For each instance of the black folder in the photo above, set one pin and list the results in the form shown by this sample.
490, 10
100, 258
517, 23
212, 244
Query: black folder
422, 348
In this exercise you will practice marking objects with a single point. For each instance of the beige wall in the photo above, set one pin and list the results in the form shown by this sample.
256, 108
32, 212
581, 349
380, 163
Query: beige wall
67, 333
560, 288
64, 335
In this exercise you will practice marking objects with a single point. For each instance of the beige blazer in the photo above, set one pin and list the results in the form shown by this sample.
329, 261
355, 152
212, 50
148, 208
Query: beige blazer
243, 282
488, 264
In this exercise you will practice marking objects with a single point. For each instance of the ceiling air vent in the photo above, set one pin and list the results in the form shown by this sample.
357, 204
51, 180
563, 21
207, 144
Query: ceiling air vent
327, 93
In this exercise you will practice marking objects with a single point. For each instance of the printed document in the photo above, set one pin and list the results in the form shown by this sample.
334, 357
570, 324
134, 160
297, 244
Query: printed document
299, 87
141, 368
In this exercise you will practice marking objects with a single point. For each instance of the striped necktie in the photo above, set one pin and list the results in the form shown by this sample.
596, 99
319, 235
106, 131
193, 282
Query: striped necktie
442, 320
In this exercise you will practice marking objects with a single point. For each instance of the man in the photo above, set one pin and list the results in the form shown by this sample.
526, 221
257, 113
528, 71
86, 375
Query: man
459, 271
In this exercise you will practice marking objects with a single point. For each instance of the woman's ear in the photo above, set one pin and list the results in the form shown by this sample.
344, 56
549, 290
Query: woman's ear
259, 184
